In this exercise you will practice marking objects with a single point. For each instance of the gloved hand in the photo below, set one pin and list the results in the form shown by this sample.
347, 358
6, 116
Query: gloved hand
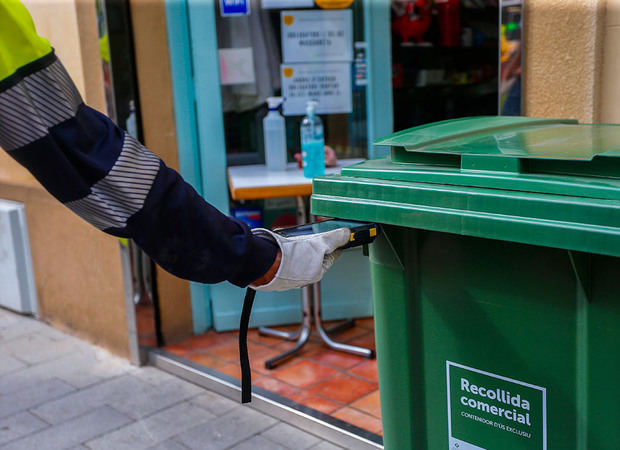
305, 259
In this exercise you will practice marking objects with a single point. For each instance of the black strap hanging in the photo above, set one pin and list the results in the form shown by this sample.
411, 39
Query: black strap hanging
244, 360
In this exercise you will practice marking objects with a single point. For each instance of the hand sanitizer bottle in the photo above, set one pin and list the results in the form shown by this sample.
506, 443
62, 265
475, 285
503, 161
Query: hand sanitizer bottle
274, 134
312, 143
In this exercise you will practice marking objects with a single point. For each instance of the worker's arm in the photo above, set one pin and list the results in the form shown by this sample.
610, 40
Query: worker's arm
107, 177
113, 182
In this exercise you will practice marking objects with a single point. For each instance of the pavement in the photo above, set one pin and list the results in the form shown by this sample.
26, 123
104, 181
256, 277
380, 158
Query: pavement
58, 392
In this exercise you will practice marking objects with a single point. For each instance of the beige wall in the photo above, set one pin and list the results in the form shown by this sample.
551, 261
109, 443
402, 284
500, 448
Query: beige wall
563, 49
610, 83
77, 268
155, 90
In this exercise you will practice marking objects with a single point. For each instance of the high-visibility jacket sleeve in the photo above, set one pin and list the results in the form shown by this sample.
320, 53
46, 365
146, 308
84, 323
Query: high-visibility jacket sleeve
106, 176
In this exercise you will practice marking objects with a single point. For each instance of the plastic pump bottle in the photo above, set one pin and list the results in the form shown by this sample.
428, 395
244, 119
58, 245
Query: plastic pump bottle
312, 143
275, 136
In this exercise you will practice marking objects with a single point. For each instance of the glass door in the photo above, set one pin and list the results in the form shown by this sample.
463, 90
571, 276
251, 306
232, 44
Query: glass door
444, 60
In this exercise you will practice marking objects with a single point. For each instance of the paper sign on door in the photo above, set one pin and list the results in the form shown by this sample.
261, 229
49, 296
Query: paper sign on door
327, 83
312, 36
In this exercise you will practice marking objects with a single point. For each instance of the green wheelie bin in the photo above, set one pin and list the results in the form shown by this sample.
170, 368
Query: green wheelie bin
496, 282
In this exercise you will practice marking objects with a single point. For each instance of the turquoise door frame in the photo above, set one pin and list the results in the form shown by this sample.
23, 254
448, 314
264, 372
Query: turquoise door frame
202, 154
186, 120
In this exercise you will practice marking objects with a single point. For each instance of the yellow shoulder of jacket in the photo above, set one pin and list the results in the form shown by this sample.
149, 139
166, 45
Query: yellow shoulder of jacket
20, 44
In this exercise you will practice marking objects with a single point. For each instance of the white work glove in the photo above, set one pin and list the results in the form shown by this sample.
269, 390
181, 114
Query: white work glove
304, 258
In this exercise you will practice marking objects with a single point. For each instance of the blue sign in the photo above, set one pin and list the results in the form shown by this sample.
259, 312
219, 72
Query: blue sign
235, 7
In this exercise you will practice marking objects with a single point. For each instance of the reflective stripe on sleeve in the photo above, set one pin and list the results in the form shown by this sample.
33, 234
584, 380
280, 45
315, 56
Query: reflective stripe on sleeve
38, 102
122, 192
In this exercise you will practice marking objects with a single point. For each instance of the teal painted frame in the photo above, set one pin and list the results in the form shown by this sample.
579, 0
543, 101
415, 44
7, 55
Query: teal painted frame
179, 47
380, 108
210, 122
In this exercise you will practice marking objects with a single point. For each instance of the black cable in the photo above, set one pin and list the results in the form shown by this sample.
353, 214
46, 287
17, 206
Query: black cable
244, 360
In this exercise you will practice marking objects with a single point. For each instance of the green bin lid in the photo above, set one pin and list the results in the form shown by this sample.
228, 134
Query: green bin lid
541, 181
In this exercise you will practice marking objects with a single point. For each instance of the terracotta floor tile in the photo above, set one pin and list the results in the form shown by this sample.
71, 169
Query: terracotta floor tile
257, 361
348, 334
148, 340
234, 370
339, 360
209, 339
366, 369
276, 386
145, 321
368, 323
366, 340
206, 360
229, 350
304, 373
335, 383
314, 401
344, 388
264, 340
359, 419
178, 349
310, 347
370, 404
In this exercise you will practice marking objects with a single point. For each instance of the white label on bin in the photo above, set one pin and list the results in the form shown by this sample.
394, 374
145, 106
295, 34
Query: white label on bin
490, 411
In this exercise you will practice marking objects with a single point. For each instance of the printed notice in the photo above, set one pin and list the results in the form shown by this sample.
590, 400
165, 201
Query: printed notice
489, 411
312, 36
329, 84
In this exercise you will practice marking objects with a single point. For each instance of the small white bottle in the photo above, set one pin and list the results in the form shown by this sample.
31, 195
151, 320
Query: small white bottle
274, 134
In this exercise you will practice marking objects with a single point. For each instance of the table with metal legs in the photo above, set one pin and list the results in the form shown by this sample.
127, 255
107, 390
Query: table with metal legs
311, 309
302, 334
256, 182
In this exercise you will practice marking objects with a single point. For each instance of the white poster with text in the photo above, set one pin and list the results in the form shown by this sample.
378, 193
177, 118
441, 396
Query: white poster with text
312, 36
327, 83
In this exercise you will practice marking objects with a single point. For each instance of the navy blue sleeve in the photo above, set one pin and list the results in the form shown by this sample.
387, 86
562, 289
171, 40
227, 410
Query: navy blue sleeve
116, 184
192, 239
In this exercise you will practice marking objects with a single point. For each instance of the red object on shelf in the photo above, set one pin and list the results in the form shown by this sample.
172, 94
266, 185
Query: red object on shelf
414, 22
397, 75
449, 21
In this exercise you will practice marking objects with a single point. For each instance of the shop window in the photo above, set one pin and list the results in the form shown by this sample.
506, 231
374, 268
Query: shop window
252, 45
444, 60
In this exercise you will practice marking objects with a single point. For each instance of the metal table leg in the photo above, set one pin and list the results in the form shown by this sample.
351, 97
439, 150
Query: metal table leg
294, 335
303, 332
361, 351
289, 336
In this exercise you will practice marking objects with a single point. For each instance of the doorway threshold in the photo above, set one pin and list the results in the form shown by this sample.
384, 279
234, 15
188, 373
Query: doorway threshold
308, 419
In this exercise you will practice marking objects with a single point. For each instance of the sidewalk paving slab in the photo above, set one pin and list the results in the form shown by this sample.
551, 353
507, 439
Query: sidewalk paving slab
223, 432
60, 393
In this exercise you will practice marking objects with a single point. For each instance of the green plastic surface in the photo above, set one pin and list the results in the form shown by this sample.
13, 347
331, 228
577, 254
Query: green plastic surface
565, 203
502, 262
516, 137
539, 315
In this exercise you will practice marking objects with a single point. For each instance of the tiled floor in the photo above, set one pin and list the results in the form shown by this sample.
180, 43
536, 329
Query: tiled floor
335, 383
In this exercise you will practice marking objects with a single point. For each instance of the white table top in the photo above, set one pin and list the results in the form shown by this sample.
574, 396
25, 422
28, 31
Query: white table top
256, 182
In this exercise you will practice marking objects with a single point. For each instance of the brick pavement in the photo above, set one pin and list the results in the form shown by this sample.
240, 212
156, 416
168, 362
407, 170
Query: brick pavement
57, 392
